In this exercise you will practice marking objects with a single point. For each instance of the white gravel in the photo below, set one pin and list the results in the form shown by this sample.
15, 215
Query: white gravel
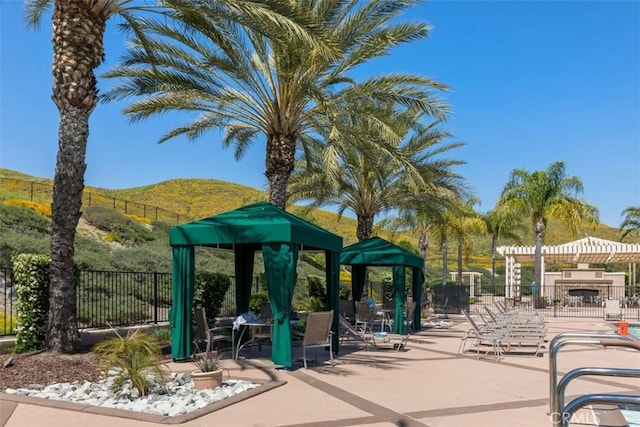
176, 397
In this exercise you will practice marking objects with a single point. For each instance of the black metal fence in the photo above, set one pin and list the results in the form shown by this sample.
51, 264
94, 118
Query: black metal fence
8, 309
111, 298
43, 192
557, 301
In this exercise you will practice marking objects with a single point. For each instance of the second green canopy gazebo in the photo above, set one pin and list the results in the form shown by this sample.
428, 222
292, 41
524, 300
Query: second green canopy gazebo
261, 226
379, 252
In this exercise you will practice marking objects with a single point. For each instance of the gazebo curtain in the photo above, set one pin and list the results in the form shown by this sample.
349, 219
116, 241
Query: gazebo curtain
358, 274
418, 280
244, 255
183, 270
282, 259
333, 297
399, 297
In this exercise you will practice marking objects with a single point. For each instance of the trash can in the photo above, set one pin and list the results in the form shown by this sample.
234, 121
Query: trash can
623, 328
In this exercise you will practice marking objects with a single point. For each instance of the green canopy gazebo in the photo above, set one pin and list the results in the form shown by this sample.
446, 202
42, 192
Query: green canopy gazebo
379, 252
280, 236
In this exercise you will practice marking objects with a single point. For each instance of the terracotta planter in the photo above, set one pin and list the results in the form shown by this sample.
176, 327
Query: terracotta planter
206, 380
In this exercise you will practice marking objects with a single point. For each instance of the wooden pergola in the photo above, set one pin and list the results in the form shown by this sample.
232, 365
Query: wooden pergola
590, 250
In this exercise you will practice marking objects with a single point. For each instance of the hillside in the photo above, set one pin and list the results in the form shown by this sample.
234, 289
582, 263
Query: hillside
189, 199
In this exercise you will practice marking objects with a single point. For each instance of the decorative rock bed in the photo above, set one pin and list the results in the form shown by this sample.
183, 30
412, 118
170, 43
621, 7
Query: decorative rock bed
176, 397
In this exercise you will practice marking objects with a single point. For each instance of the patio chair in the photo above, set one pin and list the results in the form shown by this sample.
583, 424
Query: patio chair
211, 336
364, 317
264, 333
317, 334
347, 309
410, 312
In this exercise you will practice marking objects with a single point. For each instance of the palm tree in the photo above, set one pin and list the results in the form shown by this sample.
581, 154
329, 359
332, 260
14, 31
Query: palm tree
500, 223
78, 33
251, 87
456, 222
547, 194
372, 179
468, 222
631, 223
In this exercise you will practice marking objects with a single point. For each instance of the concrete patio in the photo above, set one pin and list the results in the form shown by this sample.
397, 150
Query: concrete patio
429, 384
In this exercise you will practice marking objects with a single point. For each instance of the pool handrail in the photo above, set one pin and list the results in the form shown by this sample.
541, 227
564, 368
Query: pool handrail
592, 371
579, 402
557, 343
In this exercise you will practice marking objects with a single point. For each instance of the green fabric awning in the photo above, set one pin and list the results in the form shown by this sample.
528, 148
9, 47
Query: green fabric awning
258, 223
377, 251
261, 226
380, 252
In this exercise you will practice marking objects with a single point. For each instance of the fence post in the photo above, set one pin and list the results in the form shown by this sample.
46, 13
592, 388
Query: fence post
155, 297
31, 195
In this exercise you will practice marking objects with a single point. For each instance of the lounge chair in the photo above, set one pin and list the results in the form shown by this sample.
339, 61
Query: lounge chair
317, 334
480, 336
612, 310
376, 338
503, 337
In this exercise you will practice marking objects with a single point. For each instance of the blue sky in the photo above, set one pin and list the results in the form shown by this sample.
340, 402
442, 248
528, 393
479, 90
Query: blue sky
531, 83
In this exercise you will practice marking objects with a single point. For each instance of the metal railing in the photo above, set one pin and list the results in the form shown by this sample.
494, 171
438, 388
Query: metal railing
557, 389
35, 191
112, 298
567, 301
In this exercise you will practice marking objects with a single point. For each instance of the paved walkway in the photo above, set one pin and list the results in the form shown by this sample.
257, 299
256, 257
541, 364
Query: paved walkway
430, 384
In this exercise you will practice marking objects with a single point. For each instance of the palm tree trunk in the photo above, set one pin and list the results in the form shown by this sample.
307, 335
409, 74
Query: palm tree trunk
77, 35
493, 265
280, 160
445, 250
365, 227
539, 230
459, 263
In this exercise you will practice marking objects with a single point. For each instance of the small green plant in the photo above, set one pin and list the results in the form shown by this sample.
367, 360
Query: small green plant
162, 335
208, 362
135, 356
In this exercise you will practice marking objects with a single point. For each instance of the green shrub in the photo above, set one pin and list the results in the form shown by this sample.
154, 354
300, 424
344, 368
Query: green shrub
119, 227
345, 290
209, 291
312, 304
162, 335
317, 287
136, 356
31, 275
472, 300
257, 300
